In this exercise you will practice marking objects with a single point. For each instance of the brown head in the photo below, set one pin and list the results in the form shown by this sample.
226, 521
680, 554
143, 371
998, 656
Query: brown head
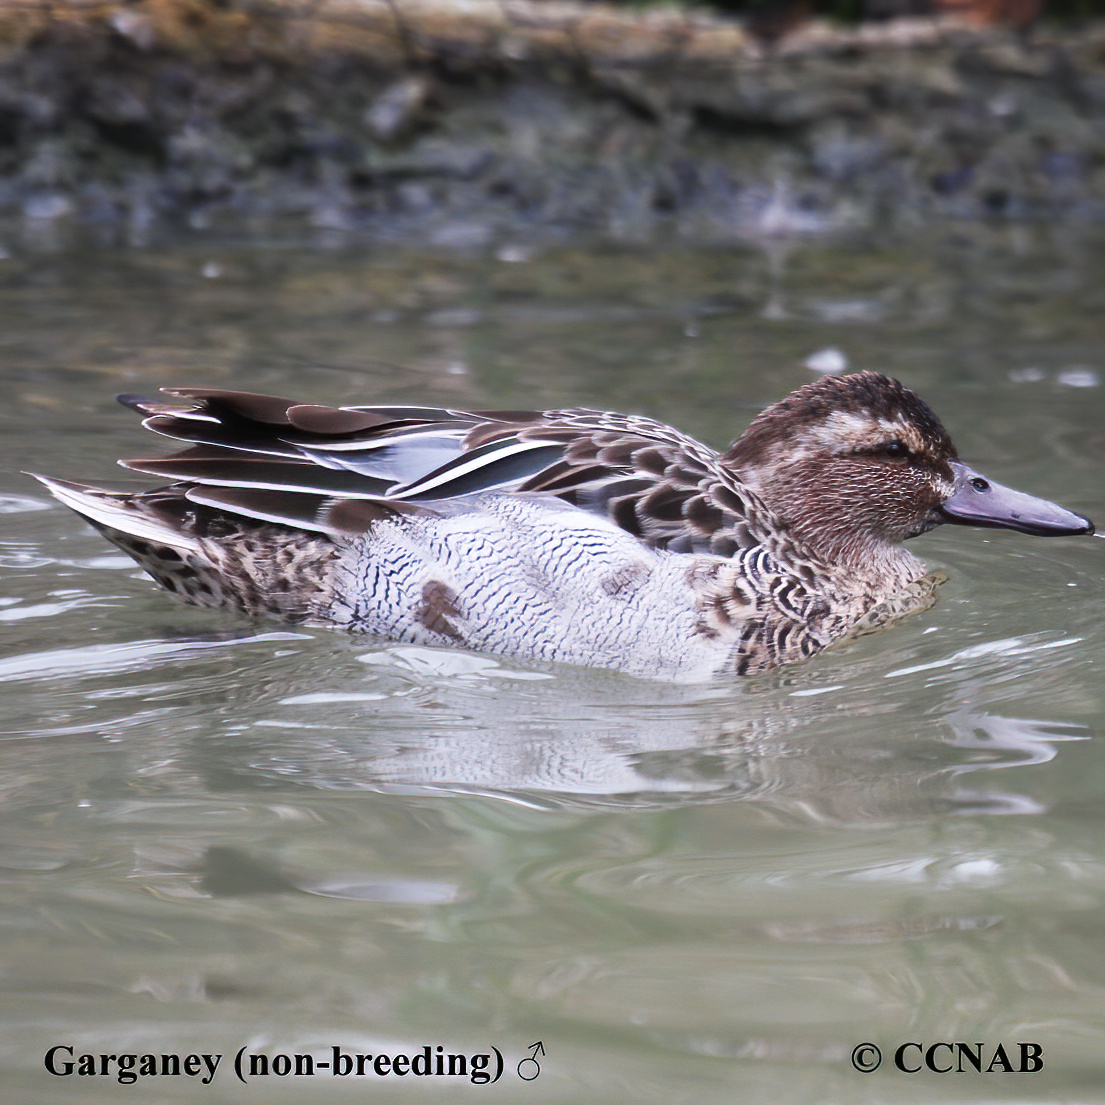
853, 465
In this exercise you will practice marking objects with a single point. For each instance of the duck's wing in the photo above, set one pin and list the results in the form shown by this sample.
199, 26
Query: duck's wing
250, 453
666, 488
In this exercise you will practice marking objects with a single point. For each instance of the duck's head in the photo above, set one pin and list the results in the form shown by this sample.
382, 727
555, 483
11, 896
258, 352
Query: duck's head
852, 465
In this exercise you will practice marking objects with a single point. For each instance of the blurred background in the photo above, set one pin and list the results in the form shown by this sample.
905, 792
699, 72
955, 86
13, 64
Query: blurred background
394, 120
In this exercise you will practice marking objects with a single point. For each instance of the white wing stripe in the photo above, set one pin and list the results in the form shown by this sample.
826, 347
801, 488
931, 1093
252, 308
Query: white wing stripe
465, 467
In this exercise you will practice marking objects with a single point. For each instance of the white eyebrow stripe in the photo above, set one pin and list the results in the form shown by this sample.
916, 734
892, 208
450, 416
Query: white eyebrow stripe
857, 429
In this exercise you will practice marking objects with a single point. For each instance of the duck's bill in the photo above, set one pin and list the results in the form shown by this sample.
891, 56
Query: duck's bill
978, 501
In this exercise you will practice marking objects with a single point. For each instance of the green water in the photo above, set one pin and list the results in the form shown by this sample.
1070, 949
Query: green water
218, 835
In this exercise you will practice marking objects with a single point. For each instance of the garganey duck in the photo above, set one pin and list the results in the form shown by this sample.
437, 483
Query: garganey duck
580, 536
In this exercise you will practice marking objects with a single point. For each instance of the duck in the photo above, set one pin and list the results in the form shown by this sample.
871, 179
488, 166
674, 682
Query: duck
572, 536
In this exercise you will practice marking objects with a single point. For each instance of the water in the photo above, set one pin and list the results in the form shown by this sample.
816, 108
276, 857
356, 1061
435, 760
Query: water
218, 835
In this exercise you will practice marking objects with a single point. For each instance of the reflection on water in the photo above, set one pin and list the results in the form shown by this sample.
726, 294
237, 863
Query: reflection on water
218, 834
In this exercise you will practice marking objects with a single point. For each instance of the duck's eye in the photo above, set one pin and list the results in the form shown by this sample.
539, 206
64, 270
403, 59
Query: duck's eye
893, 450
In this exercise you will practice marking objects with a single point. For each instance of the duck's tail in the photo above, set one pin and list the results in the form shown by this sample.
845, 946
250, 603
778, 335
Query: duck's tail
205, 557
124, 515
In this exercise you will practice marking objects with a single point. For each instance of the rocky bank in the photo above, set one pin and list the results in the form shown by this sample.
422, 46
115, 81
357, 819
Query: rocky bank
458, 121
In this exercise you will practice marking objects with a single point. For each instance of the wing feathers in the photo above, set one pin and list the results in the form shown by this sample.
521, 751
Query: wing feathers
224, 467
319, 513
342, 469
